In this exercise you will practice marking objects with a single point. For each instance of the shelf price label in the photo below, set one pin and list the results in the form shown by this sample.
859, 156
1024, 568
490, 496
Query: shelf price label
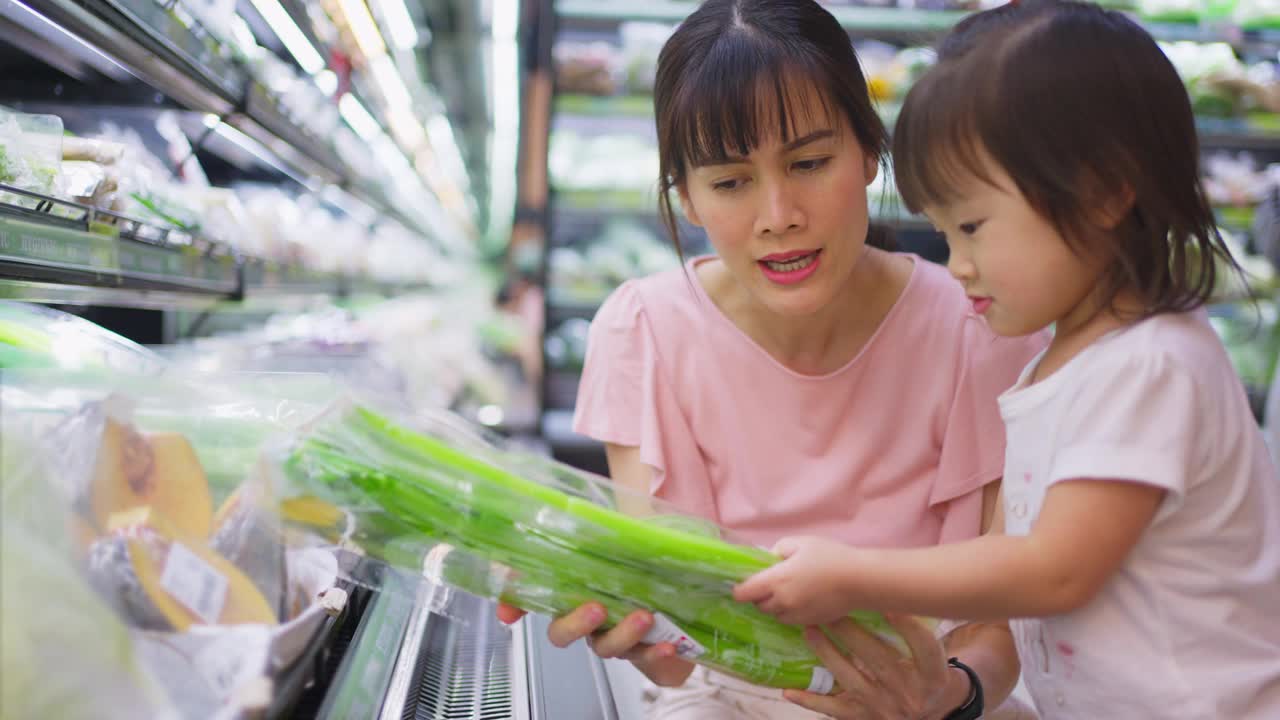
58, 246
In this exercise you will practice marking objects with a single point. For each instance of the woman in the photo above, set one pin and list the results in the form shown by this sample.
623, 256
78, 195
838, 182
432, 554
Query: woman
804, 379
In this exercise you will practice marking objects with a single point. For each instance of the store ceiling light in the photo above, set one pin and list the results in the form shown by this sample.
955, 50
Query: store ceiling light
363, 28
389, 81
327, 81
406, 129
290, 34
254, 148
446, 146
358, 118
400, 26
506, 116
64, 40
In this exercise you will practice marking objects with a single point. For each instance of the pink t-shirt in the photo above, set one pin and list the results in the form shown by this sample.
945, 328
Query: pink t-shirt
891, 450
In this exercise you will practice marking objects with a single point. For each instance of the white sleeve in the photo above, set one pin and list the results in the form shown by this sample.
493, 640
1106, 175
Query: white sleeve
1138, 419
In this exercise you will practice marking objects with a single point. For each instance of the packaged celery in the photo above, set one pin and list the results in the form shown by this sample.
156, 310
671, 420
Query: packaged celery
540, 536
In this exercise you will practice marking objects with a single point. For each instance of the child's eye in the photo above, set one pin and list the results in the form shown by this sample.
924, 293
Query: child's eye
970, 228
728, 185
812, 164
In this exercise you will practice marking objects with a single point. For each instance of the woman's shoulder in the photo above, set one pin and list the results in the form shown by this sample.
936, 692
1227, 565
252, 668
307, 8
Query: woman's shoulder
932, 285
934, 307
937, 312
658, 302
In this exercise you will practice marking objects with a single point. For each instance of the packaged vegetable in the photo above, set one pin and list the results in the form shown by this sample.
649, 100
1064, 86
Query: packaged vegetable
543, 537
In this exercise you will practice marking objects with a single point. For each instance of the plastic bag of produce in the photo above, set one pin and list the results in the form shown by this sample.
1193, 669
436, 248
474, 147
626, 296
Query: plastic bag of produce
200, 579
34, 336
538, 535
31, 152
63, 652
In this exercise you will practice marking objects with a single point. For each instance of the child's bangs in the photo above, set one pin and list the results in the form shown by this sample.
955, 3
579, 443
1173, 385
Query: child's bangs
938, 146
741, 98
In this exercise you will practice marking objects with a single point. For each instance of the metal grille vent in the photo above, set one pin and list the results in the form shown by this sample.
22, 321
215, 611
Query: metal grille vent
463, 672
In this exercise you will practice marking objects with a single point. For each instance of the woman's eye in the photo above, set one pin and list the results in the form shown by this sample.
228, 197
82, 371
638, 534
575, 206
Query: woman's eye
727, 185
971, 227
811, 165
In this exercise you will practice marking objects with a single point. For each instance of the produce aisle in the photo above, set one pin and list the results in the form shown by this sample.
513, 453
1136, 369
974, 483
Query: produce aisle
222, 222
291, 290
602, 164
174, 171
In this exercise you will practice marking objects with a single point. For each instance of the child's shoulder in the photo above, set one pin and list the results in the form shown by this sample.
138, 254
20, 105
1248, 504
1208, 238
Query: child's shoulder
1184, 339
1167, 349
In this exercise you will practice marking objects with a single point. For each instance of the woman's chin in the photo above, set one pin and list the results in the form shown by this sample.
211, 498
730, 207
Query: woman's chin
796, 303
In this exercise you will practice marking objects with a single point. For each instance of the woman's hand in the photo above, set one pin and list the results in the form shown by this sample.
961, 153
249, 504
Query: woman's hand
624, 640
877, 682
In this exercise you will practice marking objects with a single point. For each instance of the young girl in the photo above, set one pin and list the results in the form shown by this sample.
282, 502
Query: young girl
1055, 146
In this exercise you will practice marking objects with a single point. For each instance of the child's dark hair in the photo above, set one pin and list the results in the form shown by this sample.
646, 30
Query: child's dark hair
732, 58
1081, 108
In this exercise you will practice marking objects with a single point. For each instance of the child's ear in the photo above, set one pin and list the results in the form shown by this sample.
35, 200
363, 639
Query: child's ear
1110, 207
686, 205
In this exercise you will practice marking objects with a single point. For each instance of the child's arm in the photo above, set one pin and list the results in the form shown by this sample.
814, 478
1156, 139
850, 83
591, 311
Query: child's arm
1085, 530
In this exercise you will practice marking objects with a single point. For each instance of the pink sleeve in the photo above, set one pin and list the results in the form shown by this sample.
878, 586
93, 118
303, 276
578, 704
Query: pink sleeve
611, 391
973, 446
624, 399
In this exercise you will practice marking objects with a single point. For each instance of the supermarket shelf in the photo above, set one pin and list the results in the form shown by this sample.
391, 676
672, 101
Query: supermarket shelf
559, 311
147, 41
47, 240
908, 22
272, 280
625, 115
861, 19
638, 106
125, 297
57, 251
1255, 133
1248, 40
102, 28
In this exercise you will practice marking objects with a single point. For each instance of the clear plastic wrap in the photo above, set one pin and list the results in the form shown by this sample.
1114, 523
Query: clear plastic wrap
206, 516
31, 151
40, 337
162, 580
538, 535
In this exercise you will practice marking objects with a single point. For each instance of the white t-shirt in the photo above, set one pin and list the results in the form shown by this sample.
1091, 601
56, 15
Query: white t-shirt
1189, 628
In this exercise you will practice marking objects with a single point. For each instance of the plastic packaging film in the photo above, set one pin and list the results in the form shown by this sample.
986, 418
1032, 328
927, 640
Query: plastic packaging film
137, 531
542, 537
197, 507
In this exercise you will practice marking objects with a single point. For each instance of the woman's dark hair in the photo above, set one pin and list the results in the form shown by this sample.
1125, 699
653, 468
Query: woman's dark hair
732, 58
1087, 116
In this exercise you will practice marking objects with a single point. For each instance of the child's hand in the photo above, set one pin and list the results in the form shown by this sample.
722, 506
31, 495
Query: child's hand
805, 588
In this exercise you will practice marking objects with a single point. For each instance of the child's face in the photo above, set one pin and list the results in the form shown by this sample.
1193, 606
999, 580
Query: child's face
788, 220
1015, 266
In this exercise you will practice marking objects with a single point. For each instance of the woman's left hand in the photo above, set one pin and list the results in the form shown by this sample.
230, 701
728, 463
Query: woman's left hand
877, 682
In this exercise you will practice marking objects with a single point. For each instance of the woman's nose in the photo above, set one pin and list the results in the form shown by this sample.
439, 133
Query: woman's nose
780, 212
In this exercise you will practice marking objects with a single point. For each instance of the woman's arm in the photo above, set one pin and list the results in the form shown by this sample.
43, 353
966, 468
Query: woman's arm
633, 478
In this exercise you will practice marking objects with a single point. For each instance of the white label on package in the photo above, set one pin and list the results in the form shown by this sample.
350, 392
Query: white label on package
194, 583
664, 630
822, 682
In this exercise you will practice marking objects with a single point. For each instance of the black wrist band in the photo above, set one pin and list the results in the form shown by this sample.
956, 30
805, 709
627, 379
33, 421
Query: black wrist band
973, 708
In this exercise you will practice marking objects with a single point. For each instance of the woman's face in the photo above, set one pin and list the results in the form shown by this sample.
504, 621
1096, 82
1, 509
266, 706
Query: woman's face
789, 220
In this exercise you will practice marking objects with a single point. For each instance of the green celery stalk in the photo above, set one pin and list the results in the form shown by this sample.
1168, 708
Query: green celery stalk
562, 550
